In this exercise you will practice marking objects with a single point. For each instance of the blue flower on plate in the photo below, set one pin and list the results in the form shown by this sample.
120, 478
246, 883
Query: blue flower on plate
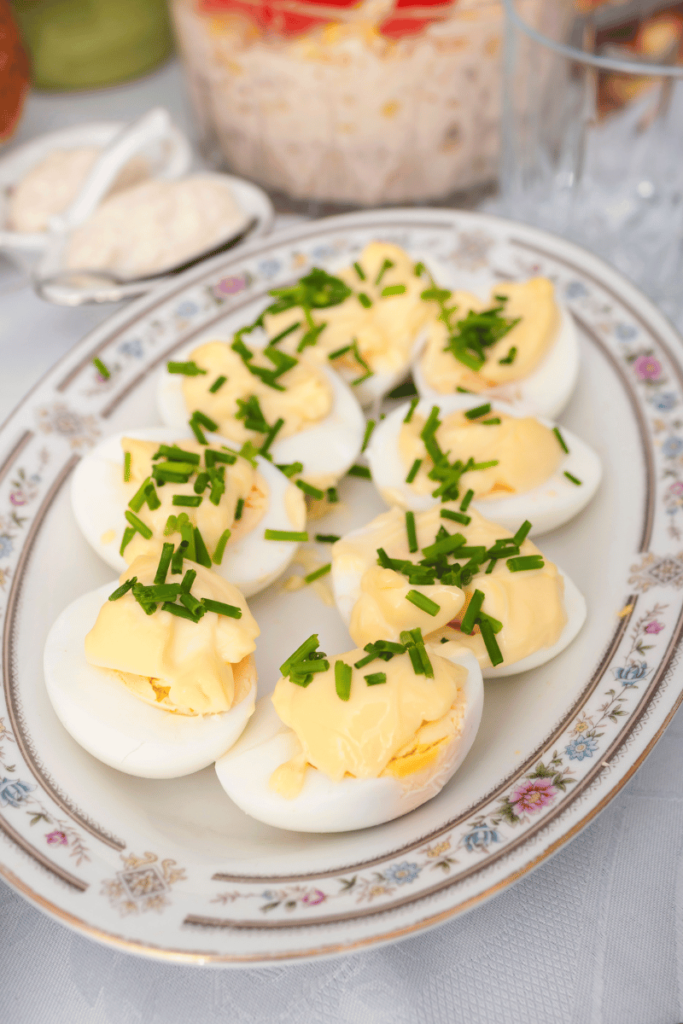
575, 290
625, 332
269, 268
629, 675
13, 792
672, 447
665, 401
480, 838
321, 252
402, 874
6, 545
187, 308
581, 747
132, 348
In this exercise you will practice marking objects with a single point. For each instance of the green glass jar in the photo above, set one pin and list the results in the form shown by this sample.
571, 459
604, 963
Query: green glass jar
85, 44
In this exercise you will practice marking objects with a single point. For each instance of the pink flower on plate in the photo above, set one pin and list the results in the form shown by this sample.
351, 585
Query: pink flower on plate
230, 285
313, 897
57, 838
647, 368
654, 627
532, 795
677, 488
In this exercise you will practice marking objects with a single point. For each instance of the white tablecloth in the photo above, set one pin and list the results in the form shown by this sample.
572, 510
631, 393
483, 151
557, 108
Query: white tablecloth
595, 936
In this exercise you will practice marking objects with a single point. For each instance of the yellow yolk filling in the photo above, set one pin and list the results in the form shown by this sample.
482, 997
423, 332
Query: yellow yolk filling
385, 331
530, 604
527, 453
193, 668
306, 398
242, 481
533, 302
395, 728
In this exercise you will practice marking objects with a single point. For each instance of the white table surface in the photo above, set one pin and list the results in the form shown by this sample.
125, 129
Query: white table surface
594, 936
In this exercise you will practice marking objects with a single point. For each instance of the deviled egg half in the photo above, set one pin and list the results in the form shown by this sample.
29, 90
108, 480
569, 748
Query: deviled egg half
356, 739
300, 410
456, 576
139, 489
518, 467
367, 320
155, 675
520, 345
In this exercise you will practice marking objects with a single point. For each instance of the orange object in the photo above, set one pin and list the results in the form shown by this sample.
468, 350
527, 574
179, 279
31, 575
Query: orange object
14, 73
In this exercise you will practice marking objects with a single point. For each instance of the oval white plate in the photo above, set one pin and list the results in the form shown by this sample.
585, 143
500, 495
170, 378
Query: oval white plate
171, 868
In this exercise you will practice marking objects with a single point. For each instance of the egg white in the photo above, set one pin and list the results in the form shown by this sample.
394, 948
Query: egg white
552, 503
371, 391
324, 805
546, 391
251, 563
115, 726
326, 449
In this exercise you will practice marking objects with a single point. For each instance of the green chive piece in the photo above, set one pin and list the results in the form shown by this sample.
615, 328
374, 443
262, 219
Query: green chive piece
188, 581
290, 469
220, 547
314, 492
574, 479
376, 678
175, 454
361, 471
220, 608
177, 560
332, 495
525, 562
493, 422
283, 334
187, 369
217, 384
343, 674
193, 604
139, 498
393, 289
473, 609
164, 563
179, 611
198, 433
201, 483
510, 357
386, 265
204, 421
300, 654
239, 509
371, 424
123, 589
188, 542
404, 390
491, 566
359, 270
413, 471
188, 500
457, 517
481, 410
423, 602
212, 456
270, 436
411, 531
293, 535
464, 391
201, 553
465, 503
170, 526
340, 352
413, 405
364, 300
419, 269
138, 525
128, 535
561, 441
126, 467
101, 368
489, 638
327, 538
521, 534
317, 573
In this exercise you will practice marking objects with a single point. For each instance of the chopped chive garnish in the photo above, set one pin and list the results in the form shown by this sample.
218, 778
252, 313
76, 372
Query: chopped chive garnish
220, 547
386, 265
561, 441
340, 352
447, 545
521, 534
188, 500
212, 456
465, 503
283, 334
413, 471
364, 300
126, 467
162, 592
317, 573
419, 269
270, 436
342, 679
164, 563
574, 479
361, 274
484, 465
314, 492
376, 678
509, 358
220, 608
293, 535
175, 454
201, 483
481, 410
193, 605
140, 496
170, 526
494, 421
179, 610
489, 638
371, 424
300, 654
473, 609
423, 602
290, 469
197, 431
332, 495
413, 405
411, 531
361, 471
128, 535
464, 391
393, 289
123, 589
101, 368
204, 421
217, 384
201, 554
138, 524
239, 508
177, 560
187, 369
327, 538
491, 566
525, 562
457, 517
188, 581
